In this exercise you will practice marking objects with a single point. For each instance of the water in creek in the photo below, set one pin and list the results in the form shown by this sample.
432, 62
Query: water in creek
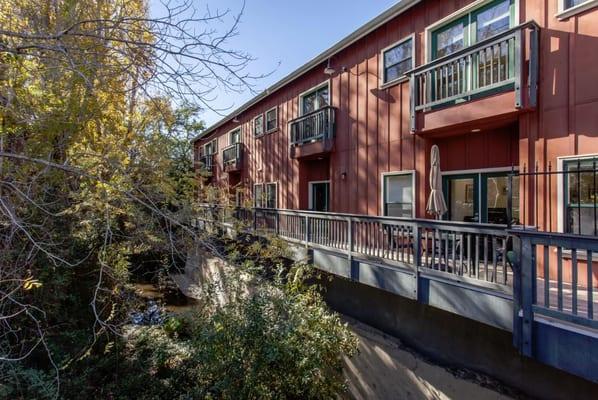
173, 300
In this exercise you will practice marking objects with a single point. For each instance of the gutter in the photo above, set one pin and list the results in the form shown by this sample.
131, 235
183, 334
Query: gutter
392, 12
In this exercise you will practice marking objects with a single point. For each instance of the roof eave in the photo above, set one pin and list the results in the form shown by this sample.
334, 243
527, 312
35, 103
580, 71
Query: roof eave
363, 31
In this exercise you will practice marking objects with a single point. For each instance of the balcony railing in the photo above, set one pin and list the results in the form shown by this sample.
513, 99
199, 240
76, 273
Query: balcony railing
486, 67
317, 125
232, 154
206, 163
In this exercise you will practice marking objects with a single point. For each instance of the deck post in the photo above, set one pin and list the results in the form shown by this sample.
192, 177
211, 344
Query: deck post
412, 102
533, 67
517, 68
417, 238
306, 231
527, 273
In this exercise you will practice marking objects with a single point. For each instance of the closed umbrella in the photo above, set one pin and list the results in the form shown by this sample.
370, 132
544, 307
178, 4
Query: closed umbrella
436, 203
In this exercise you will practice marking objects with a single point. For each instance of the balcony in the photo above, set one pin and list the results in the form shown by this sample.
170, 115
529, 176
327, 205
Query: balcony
232, 157
206, 164
486, 81
313, 134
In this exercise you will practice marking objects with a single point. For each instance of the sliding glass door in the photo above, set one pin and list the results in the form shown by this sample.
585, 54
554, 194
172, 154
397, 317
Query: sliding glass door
481, 197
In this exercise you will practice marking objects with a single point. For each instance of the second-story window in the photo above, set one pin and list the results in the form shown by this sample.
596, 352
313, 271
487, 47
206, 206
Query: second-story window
315, 99
271, 119
235, 136
397, 59
210, 148
473, 27
258, 125
567, 4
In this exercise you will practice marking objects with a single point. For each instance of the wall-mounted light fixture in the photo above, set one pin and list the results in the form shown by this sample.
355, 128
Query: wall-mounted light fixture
329, 70
236, 119
343, 176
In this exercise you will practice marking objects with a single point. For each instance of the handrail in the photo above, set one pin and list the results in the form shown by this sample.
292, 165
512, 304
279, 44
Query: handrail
334, 215
316, 125
236, 150
304, 116
207, 161
467, 252
474, 47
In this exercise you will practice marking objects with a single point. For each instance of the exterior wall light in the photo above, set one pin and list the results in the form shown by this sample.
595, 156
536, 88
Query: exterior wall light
329, 70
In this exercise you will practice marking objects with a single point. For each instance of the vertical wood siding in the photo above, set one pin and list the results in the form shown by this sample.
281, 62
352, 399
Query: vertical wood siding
373, 132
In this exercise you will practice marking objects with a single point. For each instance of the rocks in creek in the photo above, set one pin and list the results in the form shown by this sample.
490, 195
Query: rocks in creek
153, 315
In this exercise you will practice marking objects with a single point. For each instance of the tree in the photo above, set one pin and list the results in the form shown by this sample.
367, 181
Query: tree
98, 99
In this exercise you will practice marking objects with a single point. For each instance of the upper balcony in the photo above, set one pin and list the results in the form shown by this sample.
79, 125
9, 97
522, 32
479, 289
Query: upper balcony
313, 134
232, 157
491, 80
206, 164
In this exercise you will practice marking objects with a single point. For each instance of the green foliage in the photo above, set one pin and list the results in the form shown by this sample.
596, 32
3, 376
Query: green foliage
276, 341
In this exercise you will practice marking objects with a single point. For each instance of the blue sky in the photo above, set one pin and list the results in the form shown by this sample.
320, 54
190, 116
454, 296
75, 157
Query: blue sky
289, 32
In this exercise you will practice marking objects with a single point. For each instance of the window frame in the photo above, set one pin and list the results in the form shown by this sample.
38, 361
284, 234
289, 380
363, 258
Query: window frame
474, 7
312, 90
562, 186
214, 143
255, 197
264, 185
253, 121
383, 176
481, 177
382, 67
270, 184
564, 13
230, 135
275, 128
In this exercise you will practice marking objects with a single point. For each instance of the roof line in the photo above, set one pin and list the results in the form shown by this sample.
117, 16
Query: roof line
364, 30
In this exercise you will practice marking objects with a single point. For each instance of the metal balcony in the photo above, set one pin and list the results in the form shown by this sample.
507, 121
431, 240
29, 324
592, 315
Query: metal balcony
232, 157
491, 66
206, 164
315, 131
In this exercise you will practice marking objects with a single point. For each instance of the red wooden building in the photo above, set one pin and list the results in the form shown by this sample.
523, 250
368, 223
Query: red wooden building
498, 85
508, 91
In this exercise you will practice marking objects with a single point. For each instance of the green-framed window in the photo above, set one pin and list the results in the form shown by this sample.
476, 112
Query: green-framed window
258, 125
235, 136
397, 192
397, 60
481, 197
477, 25
581, 196
316, 99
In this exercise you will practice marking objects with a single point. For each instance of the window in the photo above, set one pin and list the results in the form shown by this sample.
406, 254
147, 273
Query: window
568, 8
567, 4
482, 23
398, 195
239, 197
210, 148
264, 195
235, 136
258, 195
258, 125
314, 99
271, 195
271, 119
581, 196
397, 60
481, 197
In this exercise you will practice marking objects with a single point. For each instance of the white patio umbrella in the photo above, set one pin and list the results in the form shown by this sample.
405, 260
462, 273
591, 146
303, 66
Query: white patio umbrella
436, 203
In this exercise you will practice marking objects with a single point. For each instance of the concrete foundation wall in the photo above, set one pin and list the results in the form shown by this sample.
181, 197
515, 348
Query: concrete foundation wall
454, 340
